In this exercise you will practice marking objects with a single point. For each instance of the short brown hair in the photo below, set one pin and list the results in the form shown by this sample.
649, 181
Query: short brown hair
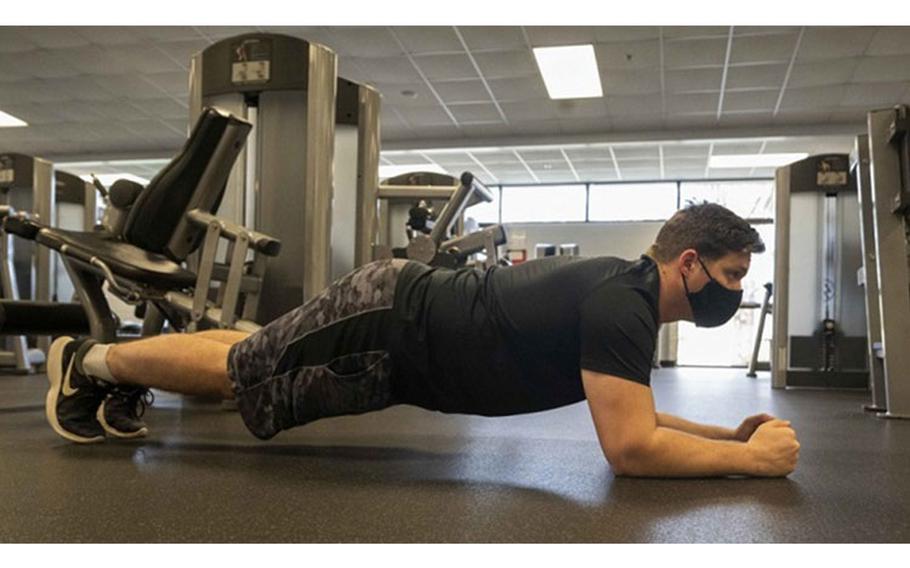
711, 229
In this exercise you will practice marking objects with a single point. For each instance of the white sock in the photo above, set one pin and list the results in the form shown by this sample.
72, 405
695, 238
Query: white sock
94, 362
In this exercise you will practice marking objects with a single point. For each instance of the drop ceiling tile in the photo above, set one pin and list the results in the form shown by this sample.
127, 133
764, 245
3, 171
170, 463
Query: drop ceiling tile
834, 43
518, 89
736, 148
145, 58
11, 41
892, 40
628, 55
813, 97
757, 118
529, 111
625, 34
695, 53
388, 70
475, 113
421, 117
635, 105
685, 151
77, 88
429, 39
446, 67
884, 68
874, 94
854, 115
583, 125
53, 37
821, 73
630, 82
365, 42
128, 86
757, 76
494, 38
173, 83
693, 80
406, 95
581, 108
218, 33
110, 35
29, 92
756, 100
636, 152
507, 64
45, 64
764, 30
543, 155
94, 60
550, 36
690, 32
469, 91
762, 49
182, 52
168, 33
166, 108
692, 103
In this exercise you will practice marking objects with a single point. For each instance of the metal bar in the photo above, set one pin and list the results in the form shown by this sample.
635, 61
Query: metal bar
206, 265
870, 284
368, 142
232, 293
415, 192
780, 359
89, 286
10, 291
765, 310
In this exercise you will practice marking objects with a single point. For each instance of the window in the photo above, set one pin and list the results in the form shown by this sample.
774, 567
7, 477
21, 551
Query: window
632, 202
543, 203
748, 199
485, 212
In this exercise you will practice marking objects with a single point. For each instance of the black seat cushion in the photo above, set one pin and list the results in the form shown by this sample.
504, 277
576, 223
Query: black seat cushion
124, 259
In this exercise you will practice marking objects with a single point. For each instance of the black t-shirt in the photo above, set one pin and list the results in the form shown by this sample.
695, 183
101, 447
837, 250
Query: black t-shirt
510, 340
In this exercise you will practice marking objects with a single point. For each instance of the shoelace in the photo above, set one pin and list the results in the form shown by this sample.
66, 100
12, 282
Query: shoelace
137, 400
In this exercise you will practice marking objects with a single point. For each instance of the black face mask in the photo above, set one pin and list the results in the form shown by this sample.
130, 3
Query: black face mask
714, 304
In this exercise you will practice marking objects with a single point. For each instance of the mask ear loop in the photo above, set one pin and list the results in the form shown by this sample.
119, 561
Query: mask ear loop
705, 269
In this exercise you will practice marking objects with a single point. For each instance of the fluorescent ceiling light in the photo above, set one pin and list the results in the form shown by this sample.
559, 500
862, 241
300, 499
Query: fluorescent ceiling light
386, 172
9, 121
754, 160
108, 179
569, 72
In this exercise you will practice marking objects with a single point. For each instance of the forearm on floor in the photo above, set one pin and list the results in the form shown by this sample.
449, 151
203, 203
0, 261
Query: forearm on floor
694, 428
673, 453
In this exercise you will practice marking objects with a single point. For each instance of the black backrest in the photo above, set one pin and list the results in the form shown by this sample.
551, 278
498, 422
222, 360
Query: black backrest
195, 178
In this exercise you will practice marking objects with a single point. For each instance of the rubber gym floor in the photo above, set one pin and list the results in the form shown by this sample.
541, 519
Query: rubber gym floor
408, 475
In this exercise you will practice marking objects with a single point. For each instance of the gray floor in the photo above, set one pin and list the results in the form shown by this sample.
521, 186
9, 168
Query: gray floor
406, 475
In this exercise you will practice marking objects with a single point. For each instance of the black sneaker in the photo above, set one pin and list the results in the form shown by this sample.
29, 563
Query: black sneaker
121, 412
74, 397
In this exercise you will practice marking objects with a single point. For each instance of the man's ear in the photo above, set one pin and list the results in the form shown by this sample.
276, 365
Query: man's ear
687, 260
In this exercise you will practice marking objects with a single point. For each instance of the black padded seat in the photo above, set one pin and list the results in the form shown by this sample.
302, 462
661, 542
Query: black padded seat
125, 260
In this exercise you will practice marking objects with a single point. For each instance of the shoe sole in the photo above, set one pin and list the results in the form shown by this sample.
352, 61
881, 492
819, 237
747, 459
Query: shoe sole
55, 374
141, 433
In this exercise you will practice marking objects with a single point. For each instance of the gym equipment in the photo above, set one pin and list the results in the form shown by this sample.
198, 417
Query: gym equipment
435, 240
819, 337
164, 223
33, 274
867, 275
765, 310
889, 188
282, 184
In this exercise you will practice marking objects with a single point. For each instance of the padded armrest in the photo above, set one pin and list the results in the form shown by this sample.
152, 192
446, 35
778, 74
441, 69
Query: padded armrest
22, 226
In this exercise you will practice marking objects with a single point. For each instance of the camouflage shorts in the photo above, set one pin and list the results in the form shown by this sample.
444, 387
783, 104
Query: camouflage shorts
329, 357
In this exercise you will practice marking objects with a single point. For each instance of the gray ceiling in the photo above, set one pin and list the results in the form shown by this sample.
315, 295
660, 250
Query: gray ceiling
104, 92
